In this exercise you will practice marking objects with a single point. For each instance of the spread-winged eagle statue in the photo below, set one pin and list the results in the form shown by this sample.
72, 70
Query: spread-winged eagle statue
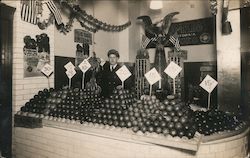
153, 30
159, 34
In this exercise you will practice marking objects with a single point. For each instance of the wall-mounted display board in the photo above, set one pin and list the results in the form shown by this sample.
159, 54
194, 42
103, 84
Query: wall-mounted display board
36, 53
193, 32
82, 36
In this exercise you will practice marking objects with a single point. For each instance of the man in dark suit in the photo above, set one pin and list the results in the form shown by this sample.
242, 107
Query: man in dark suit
109, 79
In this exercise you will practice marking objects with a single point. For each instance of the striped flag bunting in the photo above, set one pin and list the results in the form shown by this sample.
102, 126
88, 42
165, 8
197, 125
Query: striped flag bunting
175, 40
29, 11
145, 41
56, 12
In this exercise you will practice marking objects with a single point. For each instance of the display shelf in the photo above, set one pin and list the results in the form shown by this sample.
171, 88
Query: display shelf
218, 137
125, 134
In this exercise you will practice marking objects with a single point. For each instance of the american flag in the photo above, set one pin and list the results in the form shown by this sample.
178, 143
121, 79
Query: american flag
175, 40
56, 12
29, 11
145, 41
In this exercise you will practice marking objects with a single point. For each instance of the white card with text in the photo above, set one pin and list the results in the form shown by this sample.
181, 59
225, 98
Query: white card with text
152, 76
70, 73
208, 84
84, 66
69, 66
123, 73
47, 70
173, 69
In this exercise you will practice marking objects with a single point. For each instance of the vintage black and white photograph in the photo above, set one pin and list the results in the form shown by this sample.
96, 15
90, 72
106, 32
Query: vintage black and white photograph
124, 78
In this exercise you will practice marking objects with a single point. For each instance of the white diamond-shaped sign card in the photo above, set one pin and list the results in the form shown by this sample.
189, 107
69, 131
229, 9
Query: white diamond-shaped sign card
69, 66
84, 66
47, 70
152, 76
70, 73
173, 69
208, 84
123, 73
102, 62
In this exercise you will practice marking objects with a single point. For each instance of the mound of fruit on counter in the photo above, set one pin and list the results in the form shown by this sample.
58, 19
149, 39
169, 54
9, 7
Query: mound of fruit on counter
114, 110
37, 103
73, 104
213, 121
169, 117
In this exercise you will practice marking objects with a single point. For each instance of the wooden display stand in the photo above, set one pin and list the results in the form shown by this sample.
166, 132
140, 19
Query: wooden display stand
178, 57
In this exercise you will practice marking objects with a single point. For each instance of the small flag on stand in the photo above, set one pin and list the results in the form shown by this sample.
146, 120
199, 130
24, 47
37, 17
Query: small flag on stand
29, 11
175, 40
56, 12
145, 41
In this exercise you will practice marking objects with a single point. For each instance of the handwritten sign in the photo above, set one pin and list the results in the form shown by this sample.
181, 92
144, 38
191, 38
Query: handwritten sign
70, 73
69, 66
82, 36
123, 73
173, 69
208, 84
47, 70
84, 66
152, 76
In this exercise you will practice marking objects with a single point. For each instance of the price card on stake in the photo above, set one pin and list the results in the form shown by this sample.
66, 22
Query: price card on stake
70, 73
173, 70
47, 70
152, 76
209, 84
69, 66
84, 66
123, 73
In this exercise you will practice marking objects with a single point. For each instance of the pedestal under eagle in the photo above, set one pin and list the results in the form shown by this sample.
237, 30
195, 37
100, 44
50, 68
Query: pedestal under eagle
158, 34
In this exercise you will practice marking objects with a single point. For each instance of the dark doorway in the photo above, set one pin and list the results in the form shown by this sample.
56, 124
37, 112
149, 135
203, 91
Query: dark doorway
194, 73
6, 20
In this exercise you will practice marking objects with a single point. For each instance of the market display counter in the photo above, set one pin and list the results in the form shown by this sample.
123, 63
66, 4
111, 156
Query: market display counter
57, 139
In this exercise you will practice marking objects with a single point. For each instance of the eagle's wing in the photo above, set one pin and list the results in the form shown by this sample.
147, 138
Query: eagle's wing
167, 21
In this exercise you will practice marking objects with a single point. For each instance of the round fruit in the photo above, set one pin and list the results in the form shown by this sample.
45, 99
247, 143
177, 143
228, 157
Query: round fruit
170, 125
165, 131
169, 107
166, 102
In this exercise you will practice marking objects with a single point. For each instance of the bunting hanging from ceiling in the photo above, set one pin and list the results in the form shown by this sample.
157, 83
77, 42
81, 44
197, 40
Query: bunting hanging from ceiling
87, 21
31, 11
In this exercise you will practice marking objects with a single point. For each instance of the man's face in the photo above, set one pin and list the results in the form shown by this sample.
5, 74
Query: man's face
113, 59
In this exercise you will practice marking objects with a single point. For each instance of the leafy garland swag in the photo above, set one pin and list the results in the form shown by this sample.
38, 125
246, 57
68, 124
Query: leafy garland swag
87, 21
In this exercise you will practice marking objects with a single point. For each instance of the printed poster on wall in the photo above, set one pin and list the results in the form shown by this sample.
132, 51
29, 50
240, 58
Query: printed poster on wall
36, 55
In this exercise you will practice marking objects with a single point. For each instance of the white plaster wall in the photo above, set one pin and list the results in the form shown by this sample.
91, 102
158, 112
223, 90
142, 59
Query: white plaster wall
107, 11
64, 44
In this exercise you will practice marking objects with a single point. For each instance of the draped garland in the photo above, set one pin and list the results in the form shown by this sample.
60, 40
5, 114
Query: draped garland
86, 20
213, 7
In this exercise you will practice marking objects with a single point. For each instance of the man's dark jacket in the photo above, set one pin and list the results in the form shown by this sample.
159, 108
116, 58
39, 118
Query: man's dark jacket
108, 80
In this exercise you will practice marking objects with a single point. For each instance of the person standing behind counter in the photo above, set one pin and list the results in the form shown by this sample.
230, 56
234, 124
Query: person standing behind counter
109, 79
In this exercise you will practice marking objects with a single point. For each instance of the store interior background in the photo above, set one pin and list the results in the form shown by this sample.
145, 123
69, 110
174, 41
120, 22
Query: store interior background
226, 51
126, 42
